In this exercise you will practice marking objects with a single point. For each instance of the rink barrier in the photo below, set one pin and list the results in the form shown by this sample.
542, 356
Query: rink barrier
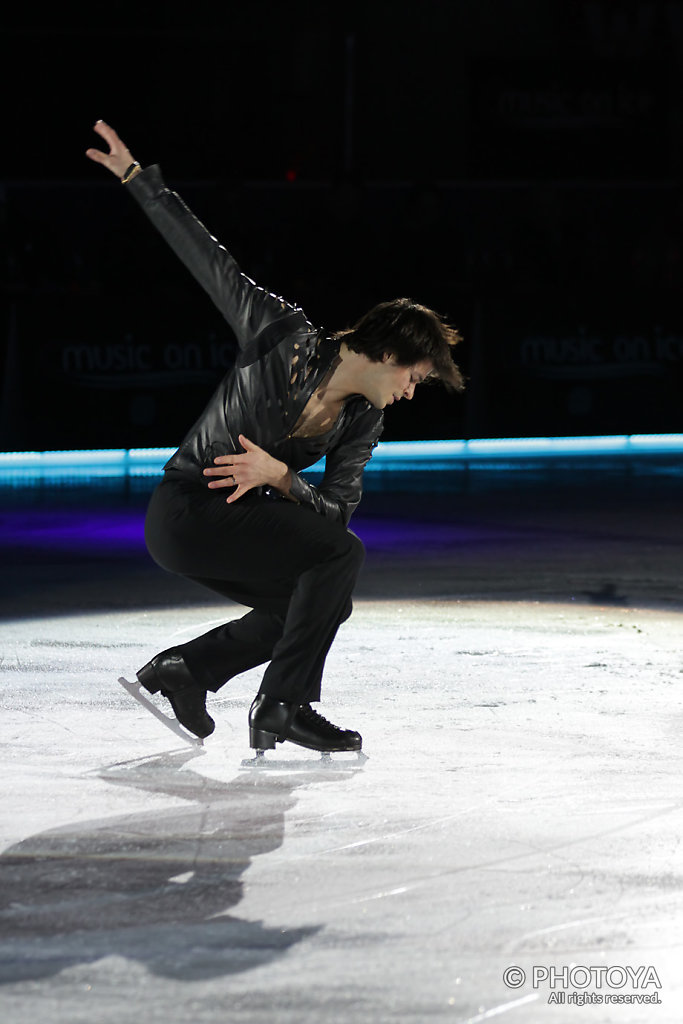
402, 456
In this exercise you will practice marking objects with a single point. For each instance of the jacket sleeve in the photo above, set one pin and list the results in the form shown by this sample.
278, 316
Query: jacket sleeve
341, 487
248, 308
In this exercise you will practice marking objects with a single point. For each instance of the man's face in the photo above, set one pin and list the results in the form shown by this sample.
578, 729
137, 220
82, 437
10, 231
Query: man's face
388, 382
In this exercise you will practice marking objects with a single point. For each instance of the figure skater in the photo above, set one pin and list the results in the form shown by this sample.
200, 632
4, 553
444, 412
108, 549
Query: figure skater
233, 512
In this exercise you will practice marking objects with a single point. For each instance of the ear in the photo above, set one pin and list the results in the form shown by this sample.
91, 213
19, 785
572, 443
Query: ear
386, 357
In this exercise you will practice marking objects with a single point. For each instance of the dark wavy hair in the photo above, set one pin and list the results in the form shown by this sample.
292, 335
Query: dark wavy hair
410, 332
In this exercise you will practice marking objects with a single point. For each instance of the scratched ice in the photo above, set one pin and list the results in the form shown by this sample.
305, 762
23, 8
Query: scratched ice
519, 807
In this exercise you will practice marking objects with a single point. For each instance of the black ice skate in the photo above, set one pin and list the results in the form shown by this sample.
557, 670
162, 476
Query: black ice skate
168, 674
134, 690
272, 722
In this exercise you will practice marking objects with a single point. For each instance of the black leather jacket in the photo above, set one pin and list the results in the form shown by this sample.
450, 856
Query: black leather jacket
282, 360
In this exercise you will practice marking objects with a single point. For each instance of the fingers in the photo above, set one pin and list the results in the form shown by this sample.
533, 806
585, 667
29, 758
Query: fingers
98, 156
226, 472
240, 471
237, 494
119, 157
228, 481
248, 445
108, 134
216, 485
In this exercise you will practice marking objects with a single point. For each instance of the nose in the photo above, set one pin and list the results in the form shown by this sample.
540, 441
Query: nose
409, 391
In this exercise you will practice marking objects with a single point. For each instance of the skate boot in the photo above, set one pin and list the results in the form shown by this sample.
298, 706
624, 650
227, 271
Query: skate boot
272, 722
168, 674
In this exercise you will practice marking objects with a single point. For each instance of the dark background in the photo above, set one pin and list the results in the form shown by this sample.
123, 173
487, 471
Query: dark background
514, 164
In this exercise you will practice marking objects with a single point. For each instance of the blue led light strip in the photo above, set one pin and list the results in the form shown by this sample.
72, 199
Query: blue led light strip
389, 455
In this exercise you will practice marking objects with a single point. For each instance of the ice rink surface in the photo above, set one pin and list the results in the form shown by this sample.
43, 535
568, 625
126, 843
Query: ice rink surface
510, 847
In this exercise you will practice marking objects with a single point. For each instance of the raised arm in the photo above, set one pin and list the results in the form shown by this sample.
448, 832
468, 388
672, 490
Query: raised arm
248, 308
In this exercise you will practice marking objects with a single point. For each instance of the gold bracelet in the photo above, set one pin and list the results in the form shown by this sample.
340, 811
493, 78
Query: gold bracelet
130, 172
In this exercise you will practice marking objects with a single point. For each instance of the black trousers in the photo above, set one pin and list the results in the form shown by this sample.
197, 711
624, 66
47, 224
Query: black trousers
293, 567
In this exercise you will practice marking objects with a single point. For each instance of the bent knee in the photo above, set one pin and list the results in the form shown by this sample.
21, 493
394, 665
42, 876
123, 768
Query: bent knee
339, 545
346, 614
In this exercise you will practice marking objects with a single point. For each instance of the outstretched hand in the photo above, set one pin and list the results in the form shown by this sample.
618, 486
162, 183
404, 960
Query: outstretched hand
119, 158
254, 468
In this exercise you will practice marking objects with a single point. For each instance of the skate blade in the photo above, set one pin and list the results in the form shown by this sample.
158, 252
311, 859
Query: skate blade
135, 690
350, 760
